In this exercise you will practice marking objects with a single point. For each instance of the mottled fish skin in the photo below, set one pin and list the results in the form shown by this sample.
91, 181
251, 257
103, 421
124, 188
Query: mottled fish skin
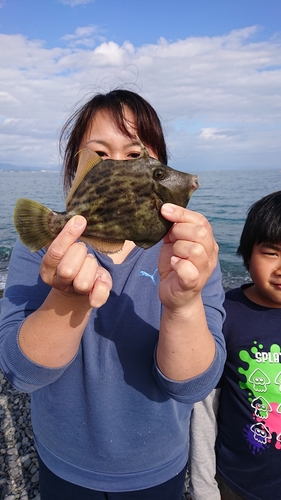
121, 200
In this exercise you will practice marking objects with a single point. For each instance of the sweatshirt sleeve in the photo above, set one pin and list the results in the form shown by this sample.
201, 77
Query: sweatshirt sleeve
24, 293
198, 388
203, 432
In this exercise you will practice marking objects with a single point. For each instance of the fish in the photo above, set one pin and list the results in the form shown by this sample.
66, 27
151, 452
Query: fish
120, 199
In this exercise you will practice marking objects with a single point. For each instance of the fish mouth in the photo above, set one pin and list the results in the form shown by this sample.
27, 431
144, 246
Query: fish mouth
196, 183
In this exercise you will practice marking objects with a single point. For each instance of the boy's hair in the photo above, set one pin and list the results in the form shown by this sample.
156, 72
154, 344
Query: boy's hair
263, 225
148, 126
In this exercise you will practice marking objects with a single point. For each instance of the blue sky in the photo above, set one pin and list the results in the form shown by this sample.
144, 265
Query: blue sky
139, 21
211, 68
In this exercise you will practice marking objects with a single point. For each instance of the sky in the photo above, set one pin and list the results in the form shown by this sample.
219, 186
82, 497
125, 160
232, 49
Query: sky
210, 68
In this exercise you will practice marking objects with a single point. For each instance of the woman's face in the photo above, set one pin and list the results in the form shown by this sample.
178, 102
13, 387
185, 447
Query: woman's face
104, 138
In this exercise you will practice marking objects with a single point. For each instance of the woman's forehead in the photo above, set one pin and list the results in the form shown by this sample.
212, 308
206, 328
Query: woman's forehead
105, 117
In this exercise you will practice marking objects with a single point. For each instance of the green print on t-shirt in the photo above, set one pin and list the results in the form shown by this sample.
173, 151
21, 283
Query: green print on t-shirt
263, 381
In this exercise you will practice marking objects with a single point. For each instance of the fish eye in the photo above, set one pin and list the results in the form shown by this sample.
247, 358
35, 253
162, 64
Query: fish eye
158, 174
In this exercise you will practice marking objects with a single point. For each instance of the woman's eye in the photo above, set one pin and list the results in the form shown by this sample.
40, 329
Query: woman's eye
101, 153
134, 155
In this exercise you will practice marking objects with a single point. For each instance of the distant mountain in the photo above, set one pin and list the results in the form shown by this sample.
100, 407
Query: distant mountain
16, 168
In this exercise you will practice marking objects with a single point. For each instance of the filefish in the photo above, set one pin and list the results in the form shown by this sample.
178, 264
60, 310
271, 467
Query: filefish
121, 200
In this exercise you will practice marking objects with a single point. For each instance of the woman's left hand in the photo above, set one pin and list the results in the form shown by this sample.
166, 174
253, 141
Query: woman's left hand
188, 256
187, 259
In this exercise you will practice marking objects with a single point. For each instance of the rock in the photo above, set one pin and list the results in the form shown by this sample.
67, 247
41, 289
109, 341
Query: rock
35, 477
19, 475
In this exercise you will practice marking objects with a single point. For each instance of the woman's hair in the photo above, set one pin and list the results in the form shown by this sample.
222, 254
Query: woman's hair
148, 126
263, 225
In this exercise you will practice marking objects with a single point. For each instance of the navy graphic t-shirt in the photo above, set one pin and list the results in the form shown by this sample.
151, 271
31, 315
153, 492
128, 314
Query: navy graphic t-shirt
249, 438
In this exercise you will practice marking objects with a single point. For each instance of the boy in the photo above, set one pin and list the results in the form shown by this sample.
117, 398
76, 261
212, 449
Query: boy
248, 445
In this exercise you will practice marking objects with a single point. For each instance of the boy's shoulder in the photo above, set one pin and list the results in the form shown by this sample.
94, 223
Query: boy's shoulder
236, 294
236, 300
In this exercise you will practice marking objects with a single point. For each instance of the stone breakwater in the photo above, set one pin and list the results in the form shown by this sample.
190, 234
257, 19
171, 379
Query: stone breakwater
18, 458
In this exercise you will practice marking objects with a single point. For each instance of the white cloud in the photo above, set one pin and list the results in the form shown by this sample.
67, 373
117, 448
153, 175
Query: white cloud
213, 134
219, 98
7, 97
86, 35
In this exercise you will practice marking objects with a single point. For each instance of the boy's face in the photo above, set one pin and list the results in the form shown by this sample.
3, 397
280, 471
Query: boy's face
265, 271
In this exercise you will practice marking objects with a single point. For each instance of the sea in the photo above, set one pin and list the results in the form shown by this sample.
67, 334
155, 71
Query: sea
224, 197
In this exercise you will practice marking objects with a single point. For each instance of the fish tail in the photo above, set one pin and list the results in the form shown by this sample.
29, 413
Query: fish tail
31, 220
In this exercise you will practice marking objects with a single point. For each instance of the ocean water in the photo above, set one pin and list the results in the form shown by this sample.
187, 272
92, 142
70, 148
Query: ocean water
224, 197
43, 186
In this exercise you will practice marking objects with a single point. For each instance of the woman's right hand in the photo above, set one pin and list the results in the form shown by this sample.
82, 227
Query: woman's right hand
69, 268
51, 335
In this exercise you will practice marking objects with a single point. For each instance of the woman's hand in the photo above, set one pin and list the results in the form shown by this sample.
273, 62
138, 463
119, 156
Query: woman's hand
187, 258
51, 335
69, 268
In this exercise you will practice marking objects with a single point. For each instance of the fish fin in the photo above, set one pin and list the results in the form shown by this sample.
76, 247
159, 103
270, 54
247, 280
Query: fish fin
88, 159
144, 151
31, 222
156, 202
103, 245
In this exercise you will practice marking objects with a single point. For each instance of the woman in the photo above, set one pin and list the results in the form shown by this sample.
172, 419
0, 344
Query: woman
114, 358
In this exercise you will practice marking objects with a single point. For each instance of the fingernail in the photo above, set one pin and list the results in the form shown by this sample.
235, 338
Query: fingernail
104, 278
79, 221
168, 208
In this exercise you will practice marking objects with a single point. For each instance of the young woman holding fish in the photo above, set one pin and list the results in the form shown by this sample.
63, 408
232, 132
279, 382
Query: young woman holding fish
114, 349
